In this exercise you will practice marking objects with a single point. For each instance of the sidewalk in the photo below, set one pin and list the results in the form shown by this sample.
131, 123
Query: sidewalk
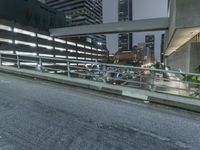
162, 98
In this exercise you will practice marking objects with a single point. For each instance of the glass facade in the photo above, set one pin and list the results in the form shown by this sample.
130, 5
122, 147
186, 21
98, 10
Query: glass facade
81, 12
125, 14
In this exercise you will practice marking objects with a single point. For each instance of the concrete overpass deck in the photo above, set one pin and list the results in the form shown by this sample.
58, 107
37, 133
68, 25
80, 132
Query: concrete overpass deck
153, 24
43, 115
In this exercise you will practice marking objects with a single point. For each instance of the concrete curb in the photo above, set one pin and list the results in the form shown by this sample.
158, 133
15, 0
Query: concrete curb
161, 98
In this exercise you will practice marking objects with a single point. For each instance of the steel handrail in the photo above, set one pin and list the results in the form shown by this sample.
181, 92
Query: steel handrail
106, 68
104, 64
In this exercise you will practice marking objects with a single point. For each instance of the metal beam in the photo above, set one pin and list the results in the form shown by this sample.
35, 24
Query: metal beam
118, 27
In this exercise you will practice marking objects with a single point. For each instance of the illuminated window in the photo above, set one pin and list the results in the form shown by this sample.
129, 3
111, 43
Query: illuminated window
80, 45
25, 53
71, 43
73, 64
45, 46
44, 37
48, 64
60, 56
28, 64
60, 49
52, 72
6, 52
45, 55
89, 40
100, 50
80, 52
8, 64
88, 58
71, 51
61, 64
6, 40
71, 57
60, 71
81, 64
94, 49
4, 27
16, 30
99, 43
81, 58
88, 47
60, 41
25, 43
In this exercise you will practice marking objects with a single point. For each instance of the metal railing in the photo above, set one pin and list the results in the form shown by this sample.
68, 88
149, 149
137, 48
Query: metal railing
167, 81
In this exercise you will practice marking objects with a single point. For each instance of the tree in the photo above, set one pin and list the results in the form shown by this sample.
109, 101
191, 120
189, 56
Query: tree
195, 79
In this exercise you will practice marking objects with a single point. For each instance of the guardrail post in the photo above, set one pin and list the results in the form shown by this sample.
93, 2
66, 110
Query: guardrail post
0, 59
104, 70
141, 81
18, 62
40, 64
152, 79
68, 69
40, 61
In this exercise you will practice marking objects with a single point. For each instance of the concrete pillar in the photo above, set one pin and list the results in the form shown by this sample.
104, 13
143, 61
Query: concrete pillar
194, 56
180, 59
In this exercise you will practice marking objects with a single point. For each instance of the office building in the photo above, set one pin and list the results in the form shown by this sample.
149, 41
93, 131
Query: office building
125, 14
128, 58
150, 44
81, 12
138, 56
29, 36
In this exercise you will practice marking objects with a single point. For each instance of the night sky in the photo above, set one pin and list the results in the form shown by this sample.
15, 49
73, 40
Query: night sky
142, 9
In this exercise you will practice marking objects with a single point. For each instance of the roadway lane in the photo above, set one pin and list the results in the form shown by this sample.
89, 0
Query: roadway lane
39, 115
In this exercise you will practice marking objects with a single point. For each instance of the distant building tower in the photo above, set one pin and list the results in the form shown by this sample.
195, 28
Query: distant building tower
82, 12
150, 43
162, 48
125, 14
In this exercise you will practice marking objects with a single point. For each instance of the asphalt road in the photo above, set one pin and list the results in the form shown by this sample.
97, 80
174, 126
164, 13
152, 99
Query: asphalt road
39, 115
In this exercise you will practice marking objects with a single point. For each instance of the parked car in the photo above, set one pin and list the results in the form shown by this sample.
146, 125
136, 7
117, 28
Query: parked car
114, 78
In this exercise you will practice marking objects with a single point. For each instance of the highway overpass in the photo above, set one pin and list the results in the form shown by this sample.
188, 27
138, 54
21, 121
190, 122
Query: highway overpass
182, 28
154, 24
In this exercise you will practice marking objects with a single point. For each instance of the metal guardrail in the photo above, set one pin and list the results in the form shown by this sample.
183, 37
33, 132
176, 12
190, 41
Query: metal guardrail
167, 81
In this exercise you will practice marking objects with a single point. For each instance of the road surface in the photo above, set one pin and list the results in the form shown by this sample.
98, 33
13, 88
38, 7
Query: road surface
39, 115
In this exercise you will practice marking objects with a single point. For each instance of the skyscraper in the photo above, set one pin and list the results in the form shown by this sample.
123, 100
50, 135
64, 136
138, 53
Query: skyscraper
150, 44
162, 48
125, 14
81, 12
